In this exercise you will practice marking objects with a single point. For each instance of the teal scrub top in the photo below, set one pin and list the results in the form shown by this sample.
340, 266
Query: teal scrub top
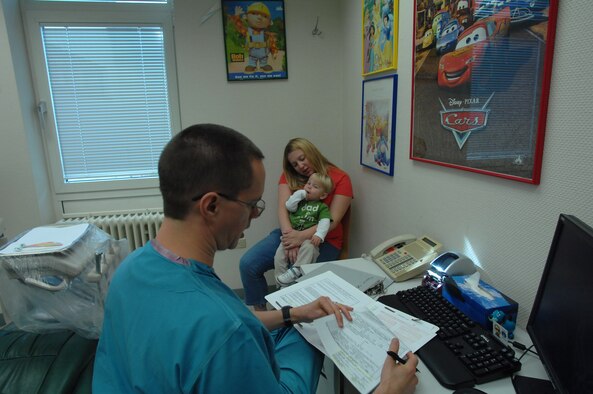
174, 328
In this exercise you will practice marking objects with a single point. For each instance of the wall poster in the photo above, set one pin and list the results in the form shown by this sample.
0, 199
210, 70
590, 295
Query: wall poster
377, 136
480, 89
379, 35
254, 40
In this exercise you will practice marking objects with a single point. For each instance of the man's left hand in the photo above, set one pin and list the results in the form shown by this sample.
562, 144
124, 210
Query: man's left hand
323, 306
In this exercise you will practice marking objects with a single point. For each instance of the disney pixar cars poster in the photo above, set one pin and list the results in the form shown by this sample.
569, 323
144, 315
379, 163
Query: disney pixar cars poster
481, 79
254, 40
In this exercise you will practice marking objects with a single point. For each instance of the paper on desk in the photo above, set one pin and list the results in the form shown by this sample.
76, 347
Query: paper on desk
411, 331
358, 349
326, 284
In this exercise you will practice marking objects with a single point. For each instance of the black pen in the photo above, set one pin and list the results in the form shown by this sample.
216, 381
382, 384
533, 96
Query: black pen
397, 358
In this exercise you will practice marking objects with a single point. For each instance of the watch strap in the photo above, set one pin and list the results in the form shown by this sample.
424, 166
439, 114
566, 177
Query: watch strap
286, 316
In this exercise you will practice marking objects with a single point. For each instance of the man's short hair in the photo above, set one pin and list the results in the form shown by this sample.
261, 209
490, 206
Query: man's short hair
204, 158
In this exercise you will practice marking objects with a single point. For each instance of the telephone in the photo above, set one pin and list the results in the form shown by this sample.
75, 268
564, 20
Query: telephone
405, 256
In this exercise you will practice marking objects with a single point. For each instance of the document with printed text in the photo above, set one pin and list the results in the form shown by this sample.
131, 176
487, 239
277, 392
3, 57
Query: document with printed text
359, 348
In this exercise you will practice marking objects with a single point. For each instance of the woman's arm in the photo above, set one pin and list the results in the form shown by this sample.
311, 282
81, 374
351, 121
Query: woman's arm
338, 208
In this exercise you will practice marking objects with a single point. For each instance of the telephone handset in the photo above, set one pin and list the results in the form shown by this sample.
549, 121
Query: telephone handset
405, 256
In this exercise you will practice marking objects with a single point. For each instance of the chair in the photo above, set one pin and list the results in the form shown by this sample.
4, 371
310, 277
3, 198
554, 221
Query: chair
346, 235
56, 362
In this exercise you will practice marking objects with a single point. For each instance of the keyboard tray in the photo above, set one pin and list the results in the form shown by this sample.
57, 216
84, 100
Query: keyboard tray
463, 353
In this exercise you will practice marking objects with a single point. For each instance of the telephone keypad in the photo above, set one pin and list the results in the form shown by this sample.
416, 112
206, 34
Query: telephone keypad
399, 263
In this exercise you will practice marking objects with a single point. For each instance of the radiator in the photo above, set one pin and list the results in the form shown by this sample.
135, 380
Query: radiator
137, 228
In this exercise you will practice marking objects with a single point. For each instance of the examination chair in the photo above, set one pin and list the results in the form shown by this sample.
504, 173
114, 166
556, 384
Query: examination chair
59, 362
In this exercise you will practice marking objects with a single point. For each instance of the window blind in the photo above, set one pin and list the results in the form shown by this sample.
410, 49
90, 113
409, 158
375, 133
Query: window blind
110, 99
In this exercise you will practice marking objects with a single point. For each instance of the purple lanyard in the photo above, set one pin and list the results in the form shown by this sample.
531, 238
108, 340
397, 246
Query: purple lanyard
166, 253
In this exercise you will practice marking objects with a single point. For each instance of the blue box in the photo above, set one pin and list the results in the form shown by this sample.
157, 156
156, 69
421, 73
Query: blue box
476, 306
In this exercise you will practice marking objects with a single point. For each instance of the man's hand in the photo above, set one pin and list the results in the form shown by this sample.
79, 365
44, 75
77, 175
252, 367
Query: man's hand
398, 378
323, 306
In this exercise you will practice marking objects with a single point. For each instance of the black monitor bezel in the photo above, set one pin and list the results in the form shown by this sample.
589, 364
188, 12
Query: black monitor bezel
563, 221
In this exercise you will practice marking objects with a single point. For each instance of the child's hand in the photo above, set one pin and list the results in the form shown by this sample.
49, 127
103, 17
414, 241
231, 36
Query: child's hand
316, 241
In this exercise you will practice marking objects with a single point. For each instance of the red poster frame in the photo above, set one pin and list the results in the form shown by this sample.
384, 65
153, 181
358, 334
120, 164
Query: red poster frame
489, 118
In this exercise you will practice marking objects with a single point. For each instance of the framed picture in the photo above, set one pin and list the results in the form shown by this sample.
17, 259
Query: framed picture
254, 40
481, 80
377, 135
379, 35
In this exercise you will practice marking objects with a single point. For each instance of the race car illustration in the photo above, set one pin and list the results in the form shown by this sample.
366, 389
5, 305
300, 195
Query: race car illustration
464, 12
439, 22
522, 11
428, 39
482, 41
448, 39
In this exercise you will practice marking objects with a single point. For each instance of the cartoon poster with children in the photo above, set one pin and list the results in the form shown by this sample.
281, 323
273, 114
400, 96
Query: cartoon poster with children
254, 39
378, 123
379, 35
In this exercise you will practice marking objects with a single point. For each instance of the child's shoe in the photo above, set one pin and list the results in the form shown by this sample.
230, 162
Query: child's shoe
290, 276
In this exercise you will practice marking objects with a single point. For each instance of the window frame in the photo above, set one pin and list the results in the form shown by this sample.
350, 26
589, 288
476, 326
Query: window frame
36, 13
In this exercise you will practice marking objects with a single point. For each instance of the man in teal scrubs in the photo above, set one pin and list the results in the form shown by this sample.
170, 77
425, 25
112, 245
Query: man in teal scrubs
171, 325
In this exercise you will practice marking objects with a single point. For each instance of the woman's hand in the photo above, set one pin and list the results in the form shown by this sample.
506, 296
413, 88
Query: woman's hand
323, 306
398, 378
292, 238
291, 242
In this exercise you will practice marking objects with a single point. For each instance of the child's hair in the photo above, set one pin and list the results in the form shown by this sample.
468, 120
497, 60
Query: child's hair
325, 181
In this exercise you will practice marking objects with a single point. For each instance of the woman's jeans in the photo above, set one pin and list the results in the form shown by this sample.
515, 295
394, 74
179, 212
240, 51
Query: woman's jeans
260, 258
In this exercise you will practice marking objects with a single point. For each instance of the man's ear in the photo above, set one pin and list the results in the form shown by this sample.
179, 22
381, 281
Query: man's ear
208, 203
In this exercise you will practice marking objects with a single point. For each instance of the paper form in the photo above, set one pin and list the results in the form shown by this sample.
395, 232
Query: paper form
408, 329
326, 284
358, 349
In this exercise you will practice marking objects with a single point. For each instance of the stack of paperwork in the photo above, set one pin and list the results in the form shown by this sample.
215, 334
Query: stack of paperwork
359, 348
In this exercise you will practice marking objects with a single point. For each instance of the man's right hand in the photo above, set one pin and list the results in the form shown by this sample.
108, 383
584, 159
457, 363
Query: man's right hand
398, 378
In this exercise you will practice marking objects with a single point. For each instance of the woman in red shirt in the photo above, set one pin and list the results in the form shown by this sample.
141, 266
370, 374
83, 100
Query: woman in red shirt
301, 159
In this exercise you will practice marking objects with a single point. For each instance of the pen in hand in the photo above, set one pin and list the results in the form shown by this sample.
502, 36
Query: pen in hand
397, 358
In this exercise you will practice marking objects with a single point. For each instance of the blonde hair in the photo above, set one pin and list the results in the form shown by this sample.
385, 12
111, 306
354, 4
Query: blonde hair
324, 181
319, 162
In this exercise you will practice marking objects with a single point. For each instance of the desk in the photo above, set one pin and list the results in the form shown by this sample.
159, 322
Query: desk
427, 383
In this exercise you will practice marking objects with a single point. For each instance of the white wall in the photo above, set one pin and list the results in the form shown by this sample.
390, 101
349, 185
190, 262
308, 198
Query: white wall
307, 104
24, 186
507, 226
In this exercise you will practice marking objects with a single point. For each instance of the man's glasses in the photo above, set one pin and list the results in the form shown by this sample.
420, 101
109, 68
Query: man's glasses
257, 207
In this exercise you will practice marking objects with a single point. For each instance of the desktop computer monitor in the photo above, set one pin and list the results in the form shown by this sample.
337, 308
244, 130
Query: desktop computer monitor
561, 320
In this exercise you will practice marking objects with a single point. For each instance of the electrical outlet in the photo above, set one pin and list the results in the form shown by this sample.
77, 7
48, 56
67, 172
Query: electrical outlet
242, 244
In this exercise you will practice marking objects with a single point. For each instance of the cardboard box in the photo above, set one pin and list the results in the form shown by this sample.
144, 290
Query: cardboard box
478, 304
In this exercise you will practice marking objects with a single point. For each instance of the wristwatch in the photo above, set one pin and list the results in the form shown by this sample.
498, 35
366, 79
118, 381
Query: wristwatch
286, 316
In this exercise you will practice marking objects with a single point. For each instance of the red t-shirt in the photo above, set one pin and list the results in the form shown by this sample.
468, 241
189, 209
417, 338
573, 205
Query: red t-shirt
343, 187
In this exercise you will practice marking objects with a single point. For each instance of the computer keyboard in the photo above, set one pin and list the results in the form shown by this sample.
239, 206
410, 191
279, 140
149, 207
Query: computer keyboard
463, 353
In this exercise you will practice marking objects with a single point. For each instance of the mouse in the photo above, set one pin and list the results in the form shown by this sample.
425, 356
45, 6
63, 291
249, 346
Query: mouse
468, 390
